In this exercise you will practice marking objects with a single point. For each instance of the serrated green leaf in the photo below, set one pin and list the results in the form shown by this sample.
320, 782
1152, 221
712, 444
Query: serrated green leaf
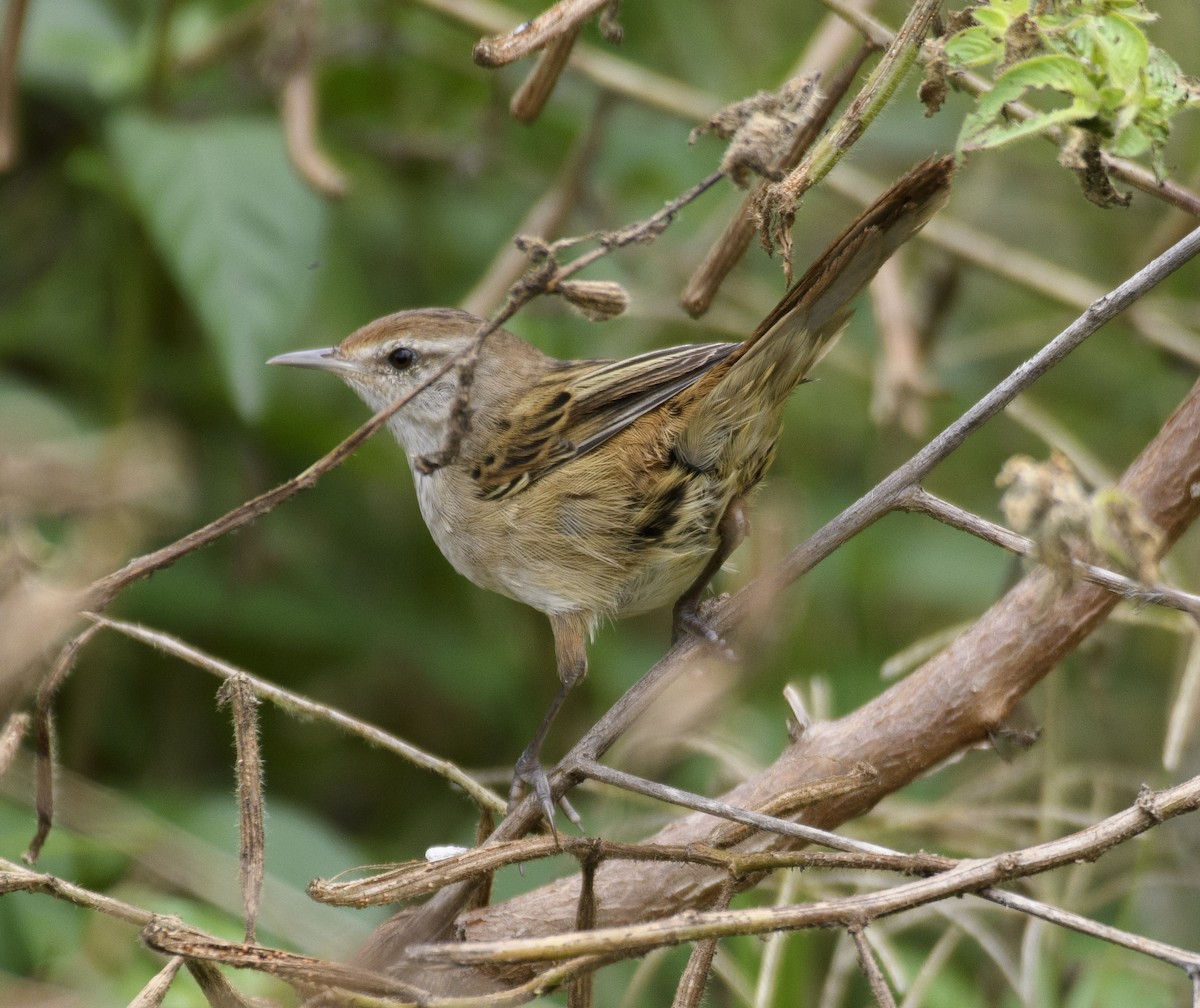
236, 228
1121, 50
973, 46
987, 127
980, 136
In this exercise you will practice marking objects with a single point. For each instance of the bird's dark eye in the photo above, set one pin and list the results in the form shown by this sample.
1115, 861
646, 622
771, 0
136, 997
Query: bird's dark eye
402, 357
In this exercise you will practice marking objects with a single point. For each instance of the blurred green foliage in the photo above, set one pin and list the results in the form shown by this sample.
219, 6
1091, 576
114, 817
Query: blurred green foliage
156, 247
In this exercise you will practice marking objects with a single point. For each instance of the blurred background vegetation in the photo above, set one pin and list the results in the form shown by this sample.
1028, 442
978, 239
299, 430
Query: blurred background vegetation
156, 247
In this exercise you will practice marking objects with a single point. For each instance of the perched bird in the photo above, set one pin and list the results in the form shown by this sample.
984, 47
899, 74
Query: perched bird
597, 488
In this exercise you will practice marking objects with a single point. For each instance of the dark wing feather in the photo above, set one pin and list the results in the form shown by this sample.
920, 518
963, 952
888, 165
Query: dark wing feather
575, 408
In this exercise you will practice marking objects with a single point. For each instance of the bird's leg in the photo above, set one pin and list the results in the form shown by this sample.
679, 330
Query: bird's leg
732, 528
570, 649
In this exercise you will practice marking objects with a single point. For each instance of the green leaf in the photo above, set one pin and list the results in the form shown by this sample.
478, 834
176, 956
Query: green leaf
987, 127
236, 228
992, 20
1121, 48
974, 46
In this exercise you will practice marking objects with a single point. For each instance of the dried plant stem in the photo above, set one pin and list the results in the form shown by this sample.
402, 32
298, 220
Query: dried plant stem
689, 993
302, 706
757, 820
546, 218
10, 738
238, 693
866, 959
18, 878
43, 724
728, 250
101, 592
531, 97
298, 101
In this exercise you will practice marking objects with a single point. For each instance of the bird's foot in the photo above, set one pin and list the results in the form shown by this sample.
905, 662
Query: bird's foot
529, 772
690, 621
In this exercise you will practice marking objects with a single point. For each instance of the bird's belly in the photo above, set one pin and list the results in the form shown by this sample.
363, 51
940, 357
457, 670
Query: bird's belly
605, 554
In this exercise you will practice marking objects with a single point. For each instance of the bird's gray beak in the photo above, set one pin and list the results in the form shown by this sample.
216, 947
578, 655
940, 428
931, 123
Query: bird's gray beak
325, 359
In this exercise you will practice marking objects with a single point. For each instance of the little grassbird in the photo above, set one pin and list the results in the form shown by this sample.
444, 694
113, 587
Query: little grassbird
597, 488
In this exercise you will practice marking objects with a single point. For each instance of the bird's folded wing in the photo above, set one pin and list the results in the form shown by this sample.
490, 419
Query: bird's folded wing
579, 406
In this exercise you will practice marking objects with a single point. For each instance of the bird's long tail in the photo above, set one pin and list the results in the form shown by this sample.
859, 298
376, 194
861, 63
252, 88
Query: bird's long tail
760, 375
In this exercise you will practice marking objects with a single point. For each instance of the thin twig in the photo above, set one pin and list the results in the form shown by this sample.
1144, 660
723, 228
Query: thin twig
758, 820
18, 878
10, 738
308, 709
415, 879
531, 97
728, 250
779, 201
921, 501
238, 692
689, 992
101, 592
43, 726
866, 959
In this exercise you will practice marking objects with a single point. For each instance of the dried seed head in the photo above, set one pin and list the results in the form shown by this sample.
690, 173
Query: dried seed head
598, 300
1047, 500
760, 129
